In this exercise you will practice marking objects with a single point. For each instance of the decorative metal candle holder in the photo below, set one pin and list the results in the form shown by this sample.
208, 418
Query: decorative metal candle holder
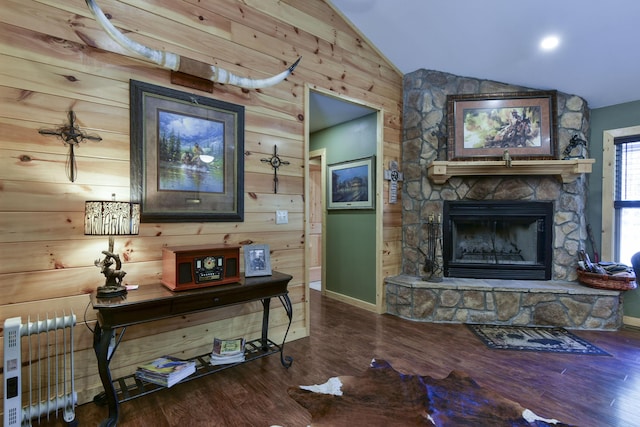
433, 256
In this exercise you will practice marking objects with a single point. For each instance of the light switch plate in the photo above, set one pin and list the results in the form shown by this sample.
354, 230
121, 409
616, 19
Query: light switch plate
282, 217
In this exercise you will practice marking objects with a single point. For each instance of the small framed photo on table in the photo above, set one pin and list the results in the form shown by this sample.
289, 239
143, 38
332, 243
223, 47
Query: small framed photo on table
257, 260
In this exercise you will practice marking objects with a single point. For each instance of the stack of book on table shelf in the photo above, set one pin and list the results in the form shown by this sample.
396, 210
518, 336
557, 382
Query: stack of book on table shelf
227, 351
166, 370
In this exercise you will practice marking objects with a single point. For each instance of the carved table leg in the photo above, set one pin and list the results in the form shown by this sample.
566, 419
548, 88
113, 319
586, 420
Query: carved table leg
265, 323
286, 303
101, 342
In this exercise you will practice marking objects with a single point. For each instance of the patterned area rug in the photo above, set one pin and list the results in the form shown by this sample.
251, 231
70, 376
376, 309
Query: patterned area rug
555, 340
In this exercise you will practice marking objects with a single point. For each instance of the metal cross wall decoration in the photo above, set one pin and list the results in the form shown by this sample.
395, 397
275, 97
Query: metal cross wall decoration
72, 135
275, 162
393, 175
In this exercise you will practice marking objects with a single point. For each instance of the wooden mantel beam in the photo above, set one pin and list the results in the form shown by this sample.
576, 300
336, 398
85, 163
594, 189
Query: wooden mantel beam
568, 170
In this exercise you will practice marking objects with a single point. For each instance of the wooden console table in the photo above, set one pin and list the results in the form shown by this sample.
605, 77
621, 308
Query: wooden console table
154, 302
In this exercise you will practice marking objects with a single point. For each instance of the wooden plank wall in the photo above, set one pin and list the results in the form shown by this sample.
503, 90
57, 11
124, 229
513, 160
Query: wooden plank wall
55, 58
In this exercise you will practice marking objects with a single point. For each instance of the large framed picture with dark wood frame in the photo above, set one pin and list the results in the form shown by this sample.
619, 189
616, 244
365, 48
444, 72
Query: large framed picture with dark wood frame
187, 156
484, 126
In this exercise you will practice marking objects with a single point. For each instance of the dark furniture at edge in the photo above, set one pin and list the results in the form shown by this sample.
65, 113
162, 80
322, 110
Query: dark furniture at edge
155, 302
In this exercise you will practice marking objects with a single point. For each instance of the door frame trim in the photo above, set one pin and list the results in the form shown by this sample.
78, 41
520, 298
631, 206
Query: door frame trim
378, 307
322, 153
608, 182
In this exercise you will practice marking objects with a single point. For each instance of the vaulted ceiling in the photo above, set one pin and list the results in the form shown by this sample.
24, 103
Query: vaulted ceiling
597, 57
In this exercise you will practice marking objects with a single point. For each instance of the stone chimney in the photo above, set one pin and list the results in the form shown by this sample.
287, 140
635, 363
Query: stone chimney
425, 140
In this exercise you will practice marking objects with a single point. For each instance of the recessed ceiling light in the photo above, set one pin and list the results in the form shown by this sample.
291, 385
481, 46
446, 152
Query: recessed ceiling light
549, 43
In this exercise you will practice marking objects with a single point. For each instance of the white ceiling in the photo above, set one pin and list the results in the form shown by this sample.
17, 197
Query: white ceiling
598, 57
326, 111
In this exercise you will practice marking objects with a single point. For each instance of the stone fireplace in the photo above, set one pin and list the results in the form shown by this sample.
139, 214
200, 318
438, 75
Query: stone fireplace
551, 295
490, 239
425, 130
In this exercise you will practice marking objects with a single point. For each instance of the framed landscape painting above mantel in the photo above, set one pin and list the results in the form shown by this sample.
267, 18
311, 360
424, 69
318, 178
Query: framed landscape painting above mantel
486, 126
187, 156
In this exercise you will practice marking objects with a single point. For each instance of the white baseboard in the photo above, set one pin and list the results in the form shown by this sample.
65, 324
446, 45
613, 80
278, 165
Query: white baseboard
351, 301
631, 321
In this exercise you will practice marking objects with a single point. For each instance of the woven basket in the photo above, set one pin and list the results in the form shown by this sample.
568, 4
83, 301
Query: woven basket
605, 281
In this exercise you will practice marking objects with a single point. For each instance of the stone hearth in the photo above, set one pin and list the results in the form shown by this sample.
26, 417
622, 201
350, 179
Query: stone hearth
504, 302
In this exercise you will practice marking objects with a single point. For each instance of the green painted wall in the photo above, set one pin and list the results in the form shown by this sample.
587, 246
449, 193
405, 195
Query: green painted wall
350, 234
606, 118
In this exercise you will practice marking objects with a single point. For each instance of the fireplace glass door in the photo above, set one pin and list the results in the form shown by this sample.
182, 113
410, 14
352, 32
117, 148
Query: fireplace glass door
496, 239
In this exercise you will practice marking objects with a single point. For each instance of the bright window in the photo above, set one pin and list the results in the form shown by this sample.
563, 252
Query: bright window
626, 202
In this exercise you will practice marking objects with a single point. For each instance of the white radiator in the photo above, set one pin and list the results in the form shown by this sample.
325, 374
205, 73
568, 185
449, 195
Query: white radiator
38, 370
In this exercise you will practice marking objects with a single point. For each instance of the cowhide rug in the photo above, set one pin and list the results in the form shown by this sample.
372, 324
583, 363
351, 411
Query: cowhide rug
386, 397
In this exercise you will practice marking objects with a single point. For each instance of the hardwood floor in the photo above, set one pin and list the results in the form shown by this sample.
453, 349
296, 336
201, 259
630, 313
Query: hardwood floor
587, 391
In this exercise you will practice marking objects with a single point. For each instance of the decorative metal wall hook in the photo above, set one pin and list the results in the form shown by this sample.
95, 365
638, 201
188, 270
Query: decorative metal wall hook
275, 162
441, 149
71, 135
575, 142
439, 134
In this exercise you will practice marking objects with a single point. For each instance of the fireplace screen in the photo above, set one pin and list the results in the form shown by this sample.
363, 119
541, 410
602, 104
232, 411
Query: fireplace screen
494, 239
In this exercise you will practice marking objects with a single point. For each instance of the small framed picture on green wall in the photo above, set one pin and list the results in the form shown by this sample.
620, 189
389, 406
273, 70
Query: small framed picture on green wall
351, 184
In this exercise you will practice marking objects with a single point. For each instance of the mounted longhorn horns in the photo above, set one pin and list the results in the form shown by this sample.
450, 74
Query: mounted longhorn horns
176, 62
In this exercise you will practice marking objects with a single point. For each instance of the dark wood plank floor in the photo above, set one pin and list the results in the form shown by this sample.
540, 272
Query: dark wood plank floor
587, 391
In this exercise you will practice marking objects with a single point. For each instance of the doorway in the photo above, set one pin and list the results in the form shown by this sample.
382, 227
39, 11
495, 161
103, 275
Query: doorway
316, 219
341, 129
